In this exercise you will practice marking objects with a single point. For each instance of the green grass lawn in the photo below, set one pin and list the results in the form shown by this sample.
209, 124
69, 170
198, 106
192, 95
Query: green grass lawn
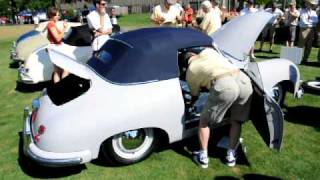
298, 159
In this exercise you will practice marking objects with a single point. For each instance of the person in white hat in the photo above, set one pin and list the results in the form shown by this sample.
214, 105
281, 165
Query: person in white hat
166, 14
307, 24
209, 22
291, 22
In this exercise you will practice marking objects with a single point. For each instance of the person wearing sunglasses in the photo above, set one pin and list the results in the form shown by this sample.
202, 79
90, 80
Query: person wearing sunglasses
99, 22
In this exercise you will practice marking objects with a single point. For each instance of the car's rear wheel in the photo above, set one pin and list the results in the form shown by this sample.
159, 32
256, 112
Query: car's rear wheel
278, 93
130, 146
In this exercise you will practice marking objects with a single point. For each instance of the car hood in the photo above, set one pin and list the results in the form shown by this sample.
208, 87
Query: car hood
236, 37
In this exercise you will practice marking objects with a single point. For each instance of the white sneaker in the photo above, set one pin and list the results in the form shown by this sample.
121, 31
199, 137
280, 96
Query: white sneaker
231, 158
200, 159
252, 56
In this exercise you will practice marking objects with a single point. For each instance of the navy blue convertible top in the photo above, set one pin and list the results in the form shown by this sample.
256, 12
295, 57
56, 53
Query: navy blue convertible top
145, 55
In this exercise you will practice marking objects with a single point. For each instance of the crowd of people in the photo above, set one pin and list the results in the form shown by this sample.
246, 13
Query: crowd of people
211, 16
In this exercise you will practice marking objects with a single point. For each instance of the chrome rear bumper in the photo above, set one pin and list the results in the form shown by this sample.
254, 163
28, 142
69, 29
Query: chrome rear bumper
46, 158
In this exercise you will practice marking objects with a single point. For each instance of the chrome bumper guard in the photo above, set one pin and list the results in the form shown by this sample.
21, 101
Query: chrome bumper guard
23, 76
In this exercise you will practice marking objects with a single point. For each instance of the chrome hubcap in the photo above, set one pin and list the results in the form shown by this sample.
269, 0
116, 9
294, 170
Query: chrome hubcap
133, 144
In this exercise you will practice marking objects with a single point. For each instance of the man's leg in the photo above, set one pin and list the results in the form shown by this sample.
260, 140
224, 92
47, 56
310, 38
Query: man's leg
239, 113
234, 134
201, 157
204, 135
264, 35
272, 35
308, 47
302, 40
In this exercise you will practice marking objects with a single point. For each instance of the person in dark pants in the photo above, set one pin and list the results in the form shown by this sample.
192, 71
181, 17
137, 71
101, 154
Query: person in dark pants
307, 24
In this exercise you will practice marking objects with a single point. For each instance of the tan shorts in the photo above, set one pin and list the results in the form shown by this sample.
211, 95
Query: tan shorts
232, 92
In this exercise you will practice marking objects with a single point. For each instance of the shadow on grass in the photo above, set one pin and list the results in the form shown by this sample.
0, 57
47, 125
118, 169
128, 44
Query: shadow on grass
305, 115
187, 146
14, 64
314, 64
259, 176
248, 177
29, 88
266, 57
35, 170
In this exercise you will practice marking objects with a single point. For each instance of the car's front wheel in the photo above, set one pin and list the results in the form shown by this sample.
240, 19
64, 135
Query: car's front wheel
130, 146
278, 93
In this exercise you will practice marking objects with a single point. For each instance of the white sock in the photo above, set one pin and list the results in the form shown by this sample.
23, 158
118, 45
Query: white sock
204, 153
231, 151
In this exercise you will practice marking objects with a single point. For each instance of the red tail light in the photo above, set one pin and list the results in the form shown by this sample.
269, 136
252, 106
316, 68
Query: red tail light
37, 137
41, 129
33, 115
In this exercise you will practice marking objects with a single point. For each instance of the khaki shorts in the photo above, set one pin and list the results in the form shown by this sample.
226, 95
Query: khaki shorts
231, 92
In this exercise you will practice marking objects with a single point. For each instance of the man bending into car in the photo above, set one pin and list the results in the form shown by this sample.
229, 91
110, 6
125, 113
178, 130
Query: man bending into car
229, 89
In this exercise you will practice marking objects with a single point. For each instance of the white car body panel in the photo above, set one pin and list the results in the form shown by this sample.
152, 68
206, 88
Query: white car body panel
39, 68
236, 41
115, 99
24, 48
235, 45
283, 69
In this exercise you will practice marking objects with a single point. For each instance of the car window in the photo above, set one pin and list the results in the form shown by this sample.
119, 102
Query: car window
79, 36
67, 89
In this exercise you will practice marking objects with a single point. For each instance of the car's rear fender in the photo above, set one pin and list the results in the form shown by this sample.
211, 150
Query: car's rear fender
281, 71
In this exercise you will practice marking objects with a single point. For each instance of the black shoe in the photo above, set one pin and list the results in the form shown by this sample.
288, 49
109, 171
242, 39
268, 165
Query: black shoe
270, 51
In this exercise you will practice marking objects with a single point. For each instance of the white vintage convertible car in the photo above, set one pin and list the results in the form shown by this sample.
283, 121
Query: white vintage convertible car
132, 93
32, 40
38, 67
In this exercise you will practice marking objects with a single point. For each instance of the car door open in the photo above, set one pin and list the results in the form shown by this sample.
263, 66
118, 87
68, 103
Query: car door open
266, 114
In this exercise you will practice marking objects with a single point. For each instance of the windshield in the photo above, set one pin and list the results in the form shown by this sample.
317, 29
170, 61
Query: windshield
79, 36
